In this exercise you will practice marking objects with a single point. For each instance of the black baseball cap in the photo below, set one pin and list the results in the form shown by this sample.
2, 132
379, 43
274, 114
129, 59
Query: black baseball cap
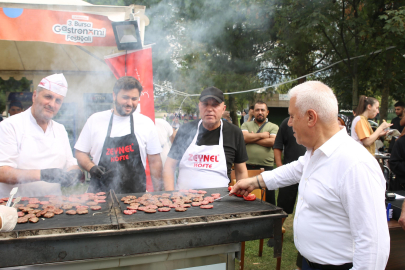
212, 92
16, 103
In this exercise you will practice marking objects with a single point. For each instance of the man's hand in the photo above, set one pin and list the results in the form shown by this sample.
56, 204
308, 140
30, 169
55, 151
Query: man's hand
97, 171
64, 178
245, 186
265, 135
8, 218
51, 175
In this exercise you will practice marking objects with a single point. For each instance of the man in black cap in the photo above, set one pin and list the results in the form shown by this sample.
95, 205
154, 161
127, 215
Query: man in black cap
205, 150
15, 107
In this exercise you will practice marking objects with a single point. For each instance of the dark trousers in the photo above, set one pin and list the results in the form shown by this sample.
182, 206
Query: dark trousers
286, 198
305, 266
270, 194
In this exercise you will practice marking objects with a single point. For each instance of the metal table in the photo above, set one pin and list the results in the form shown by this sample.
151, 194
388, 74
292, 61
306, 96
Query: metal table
112, 237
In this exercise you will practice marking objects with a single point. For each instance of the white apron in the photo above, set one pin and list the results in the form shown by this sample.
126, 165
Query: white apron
203, 166
35, 153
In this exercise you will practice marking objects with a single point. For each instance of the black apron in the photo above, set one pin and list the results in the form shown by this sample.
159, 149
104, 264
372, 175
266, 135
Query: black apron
121, 158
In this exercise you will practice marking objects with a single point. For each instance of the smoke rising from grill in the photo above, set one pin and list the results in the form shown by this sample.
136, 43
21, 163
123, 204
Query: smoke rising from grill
182, 32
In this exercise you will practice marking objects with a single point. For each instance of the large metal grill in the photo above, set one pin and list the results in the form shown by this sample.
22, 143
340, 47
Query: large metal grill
110, 233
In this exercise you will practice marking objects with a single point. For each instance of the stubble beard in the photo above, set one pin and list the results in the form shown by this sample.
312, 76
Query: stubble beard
120, 109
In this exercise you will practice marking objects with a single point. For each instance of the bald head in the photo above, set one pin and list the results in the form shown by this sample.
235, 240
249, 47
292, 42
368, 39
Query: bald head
314, 95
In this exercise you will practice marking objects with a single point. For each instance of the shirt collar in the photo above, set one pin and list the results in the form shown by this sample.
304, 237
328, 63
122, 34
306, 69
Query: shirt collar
333, 143
34, 121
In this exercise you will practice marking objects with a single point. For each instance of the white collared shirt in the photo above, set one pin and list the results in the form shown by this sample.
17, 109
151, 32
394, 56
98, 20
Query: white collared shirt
12, 131
340, 215
94, 132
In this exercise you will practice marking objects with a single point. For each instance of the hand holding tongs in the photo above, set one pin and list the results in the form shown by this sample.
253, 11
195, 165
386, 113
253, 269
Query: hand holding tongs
12, 193
223, 197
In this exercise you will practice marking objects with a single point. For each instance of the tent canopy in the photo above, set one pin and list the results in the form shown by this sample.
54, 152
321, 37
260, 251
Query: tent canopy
114, 13
82, 64
27, 58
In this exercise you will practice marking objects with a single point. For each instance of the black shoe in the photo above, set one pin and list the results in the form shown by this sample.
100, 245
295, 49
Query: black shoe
270, 243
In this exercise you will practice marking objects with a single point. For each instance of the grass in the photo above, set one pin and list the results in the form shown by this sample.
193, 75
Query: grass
289, 253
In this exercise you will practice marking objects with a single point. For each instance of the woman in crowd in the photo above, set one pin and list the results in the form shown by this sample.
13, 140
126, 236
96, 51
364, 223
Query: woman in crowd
361, 130
397, 162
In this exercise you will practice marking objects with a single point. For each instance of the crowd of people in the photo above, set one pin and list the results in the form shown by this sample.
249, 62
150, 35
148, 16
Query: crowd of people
338, 181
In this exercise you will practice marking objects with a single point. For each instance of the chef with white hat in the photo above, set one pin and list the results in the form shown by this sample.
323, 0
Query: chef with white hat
35, 154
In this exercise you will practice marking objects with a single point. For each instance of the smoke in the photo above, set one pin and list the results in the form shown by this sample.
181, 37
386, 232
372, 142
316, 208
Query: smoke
197, 39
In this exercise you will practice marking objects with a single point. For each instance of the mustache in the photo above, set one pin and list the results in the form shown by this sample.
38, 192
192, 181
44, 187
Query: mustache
49, 108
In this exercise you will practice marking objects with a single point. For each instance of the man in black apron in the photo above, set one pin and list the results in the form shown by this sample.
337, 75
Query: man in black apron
119, 155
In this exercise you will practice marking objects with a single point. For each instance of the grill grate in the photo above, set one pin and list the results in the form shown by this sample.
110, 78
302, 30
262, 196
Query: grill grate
111, 216
101, 218
228, 207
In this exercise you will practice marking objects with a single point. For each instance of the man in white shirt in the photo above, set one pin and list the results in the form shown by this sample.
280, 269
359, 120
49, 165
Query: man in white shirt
35, 153
340, 220
119, 141
166, 137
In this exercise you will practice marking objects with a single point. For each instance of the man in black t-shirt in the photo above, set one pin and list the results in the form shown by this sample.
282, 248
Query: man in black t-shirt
205, 149
399, 111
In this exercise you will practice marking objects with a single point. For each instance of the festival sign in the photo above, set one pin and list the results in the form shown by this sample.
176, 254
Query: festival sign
60, 27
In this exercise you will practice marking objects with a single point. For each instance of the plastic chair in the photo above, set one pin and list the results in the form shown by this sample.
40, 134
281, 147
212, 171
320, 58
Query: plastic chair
258, 193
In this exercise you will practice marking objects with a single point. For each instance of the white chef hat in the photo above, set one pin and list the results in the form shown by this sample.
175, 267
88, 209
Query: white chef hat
55, 83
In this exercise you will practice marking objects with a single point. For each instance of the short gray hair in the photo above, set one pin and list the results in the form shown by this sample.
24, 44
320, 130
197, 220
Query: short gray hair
317, 96
39, 89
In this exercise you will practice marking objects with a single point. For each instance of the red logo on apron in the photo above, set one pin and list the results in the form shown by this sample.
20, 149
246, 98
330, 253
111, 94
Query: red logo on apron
119, 151
203, 158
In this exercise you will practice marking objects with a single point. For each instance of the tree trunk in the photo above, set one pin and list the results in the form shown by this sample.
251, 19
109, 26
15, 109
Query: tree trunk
355, 93
386, 86
384, 101
232, 110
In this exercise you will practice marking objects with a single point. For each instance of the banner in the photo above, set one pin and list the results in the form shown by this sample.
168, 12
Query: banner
137, 64
60, 27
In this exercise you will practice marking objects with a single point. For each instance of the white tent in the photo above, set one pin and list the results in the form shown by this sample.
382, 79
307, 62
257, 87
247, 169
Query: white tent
83, 66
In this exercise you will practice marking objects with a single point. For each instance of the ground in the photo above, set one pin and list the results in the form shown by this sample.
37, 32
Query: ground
289, 253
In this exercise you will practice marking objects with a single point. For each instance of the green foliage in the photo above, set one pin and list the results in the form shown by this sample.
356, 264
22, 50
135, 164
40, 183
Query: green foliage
244, 44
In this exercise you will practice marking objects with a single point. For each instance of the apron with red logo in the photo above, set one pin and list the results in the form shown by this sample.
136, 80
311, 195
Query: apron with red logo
203, 166
121, 158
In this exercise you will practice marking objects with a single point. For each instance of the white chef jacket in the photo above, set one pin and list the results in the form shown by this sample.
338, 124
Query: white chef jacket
340, 215
24, 145
164, 130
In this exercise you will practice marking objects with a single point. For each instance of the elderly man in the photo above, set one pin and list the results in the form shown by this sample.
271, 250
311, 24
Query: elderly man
35, 153
205, 150
119, 141
340, 220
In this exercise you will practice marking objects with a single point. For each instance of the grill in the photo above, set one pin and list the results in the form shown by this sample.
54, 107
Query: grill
110, 233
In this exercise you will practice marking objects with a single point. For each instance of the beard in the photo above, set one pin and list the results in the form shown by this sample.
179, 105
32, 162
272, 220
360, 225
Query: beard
260, 120
120, 109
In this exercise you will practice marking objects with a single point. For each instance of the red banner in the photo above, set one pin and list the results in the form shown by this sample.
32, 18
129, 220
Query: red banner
138, 65
60, 27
